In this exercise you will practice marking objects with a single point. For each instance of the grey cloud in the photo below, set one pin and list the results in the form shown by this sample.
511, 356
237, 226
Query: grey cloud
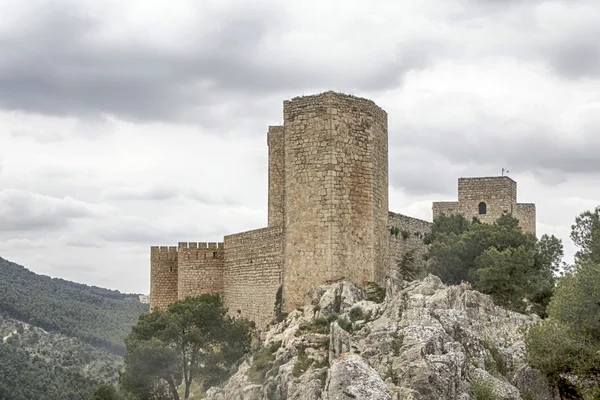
576, 57
162, 192
27, 211
56, 66
137, 230
408, 172
470, 131
84, 243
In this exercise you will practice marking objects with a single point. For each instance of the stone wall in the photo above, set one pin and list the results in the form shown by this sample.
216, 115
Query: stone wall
200, 268
447, 208
253, 264
526, 214
275, 140
163, 276
410, 237
336, 192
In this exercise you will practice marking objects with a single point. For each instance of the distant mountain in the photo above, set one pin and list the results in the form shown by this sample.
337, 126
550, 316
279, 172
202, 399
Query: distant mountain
60, 339
97, 316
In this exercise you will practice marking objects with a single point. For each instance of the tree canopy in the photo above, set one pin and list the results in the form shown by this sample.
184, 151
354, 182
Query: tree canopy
193, 339
499, 259
567, 343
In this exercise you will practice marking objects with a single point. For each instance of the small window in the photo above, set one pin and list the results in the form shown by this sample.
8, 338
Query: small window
482, 208
214, 254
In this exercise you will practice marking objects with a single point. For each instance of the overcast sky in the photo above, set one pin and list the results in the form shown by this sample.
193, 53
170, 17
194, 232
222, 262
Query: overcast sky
130, 124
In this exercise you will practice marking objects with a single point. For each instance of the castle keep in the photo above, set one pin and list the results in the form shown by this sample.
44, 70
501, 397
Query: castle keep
487, 199
328, 215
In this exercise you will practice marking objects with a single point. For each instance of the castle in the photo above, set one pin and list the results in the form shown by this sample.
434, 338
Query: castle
328, 215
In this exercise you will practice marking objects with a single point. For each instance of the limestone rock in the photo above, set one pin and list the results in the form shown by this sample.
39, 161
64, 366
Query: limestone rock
426, 341
351, 377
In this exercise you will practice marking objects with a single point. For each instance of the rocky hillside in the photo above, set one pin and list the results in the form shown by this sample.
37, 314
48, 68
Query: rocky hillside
424, 341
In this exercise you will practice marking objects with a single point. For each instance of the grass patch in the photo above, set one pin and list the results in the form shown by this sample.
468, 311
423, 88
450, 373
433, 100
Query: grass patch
345, 324
317, 325
483, 390
302, 363
494, 365
262, 362
397, 344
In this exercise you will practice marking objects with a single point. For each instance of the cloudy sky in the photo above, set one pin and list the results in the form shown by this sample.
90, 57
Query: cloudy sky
137, 123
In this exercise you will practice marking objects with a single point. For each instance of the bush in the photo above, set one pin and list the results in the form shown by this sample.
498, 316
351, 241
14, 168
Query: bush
356, 314
374, 292
482, 390
262, 362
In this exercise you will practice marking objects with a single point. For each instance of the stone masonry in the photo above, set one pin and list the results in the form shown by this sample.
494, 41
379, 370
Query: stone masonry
328, 216
487, 199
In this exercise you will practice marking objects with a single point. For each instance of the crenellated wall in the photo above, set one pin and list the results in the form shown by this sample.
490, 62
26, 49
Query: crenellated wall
163, 276
409, 236
328, 215
200, 268
253, 265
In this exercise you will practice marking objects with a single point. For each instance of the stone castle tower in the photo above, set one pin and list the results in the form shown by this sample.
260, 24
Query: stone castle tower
328, 216
487, 199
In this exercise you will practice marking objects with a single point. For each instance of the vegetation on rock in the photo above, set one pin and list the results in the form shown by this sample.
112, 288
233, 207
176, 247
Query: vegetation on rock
499, 259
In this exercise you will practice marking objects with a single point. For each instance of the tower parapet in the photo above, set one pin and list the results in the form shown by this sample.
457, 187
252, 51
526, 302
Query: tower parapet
200, 268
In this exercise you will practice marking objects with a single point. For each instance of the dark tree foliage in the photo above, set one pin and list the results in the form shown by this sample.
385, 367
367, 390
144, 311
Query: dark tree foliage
193, 339
499, 259
106, 392
24, 378
98, 316
567, 343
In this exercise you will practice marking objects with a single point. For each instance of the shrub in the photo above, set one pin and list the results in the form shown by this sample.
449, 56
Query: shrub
356, 314
482, 390
262, 362
374, 292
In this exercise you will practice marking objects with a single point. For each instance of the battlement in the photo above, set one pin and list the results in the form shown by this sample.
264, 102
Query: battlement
163, 249
328, 215
199, 245
332, 103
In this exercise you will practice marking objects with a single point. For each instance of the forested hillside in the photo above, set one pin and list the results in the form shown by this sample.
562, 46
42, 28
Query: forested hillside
37, 364
97, 316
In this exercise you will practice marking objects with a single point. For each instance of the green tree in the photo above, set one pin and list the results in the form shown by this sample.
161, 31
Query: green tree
568, 341
106, 392
585, 233
408, 269
499, 259
193, 338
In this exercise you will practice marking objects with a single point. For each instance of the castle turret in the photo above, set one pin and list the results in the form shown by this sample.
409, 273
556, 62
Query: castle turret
336, 193
163, 276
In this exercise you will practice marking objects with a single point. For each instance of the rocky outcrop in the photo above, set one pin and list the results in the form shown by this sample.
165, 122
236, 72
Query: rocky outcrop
425, 341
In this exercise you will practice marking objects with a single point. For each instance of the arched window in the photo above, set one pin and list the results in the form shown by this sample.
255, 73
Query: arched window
482, 208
